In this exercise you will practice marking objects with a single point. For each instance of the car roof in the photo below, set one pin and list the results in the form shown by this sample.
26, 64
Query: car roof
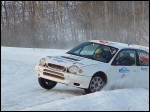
121, 45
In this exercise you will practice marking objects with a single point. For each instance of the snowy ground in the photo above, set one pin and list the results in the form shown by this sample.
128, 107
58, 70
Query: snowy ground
20, 90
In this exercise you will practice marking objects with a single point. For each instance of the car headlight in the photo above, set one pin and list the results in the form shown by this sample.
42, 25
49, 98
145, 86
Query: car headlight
42, 61
74, 69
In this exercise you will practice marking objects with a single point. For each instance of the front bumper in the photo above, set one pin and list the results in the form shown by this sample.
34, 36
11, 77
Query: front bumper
63, 77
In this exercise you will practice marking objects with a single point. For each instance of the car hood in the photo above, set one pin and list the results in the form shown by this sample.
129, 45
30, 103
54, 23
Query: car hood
68, 60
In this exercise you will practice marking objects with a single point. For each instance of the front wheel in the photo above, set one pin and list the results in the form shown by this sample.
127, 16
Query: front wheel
46, 84
96, 84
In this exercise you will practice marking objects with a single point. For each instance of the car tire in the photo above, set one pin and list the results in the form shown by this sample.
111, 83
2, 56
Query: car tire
46, 84
96, 84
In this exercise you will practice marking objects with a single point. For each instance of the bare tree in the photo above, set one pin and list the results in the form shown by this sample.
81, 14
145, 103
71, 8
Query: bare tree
58, 24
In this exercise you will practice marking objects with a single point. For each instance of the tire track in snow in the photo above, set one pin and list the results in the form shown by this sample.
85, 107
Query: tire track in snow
20, 88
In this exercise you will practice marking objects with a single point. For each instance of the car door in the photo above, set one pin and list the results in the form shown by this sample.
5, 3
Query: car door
122, 72
143, 67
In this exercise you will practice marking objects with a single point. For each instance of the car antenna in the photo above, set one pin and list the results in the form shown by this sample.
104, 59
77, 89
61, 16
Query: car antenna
128, 43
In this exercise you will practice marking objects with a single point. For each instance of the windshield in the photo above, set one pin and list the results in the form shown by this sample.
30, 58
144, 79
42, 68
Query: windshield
95, 51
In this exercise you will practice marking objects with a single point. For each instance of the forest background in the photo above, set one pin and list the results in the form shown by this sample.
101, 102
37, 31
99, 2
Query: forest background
65, 24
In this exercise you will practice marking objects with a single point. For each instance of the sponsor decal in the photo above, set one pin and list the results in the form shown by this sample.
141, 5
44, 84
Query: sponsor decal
49, 56
65, 60
124, 70
144, 59
103, 42
144, 69
75, 57
78, 63
58, 60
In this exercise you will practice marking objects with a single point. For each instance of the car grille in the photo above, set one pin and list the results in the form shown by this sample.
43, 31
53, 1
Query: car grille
53, 74
57, 67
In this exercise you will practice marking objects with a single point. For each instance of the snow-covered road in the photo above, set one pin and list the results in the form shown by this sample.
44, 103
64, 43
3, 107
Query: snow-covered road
20, 89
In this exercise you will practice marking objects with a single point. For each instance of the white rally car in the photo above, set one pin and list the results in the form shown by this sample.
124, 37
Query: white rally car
93, 64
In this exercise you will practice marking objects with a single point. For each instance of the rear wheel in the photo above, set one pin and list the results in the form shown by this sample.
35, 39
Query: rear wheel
96, 84
46, 84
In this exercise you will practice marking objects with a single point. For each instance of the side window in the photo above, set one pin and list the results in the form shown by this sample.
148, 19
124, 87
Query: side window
143, 58
125, 57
